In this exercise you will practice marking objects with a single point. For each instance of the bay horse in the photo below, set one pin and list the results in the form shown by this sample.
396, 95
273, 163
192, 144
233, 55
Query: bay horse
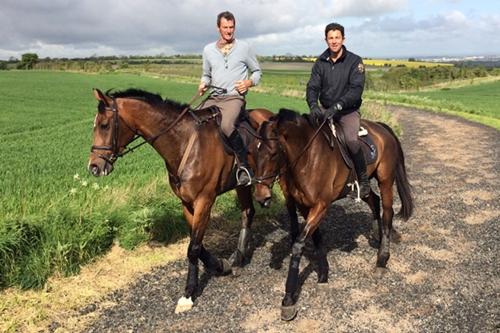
199, 168
315, 175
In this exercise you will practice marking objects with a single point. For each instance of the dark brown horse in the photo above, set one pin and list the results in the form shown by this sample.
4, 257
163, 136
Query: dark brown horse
315, 175
199, 168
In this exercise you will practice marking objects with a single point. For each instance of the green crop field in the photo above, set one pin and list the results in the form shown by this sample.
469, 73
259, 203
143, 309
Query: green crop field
53, 215
481, 99
478, 102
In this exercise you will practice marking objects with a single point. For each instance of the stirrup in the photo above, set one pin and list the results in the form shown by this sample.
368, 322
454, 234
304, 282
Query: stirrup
247, 174
355, 191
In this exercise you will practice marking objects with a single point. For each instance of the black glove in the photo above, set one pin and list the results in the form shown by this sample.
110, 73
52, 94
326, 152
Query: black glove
333, 112
316, 114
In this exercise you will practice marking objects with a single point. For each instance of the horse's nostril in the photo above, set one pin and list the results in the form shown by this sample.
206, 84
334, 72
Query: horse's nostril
94, 170
267, 203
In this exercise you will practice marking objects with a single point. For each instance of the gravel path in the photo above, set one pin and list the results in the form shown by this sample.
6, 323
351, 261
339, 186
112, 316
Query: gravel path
442, 277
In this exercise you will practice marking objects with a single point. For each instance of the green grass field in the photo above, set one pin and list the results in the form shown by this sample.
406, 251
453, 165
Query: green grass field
475, 101
478, 99
53, 214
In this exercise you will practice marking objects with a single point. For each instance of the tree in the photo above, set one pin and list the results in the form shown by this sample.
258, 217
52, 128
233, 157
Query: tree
28, 60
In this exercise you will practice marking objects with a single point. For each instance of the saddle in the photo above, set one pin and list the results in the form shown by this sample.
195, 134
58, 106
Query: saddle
243, 125
212, 113
334, 133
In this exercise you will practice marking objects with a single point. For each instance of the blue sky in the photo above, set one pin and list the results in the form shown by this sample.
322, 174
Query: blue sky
374, 28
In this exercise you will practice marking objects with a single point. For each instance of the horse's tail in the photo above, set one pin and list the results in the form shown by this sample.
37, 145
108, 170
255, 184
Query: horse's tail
402, 183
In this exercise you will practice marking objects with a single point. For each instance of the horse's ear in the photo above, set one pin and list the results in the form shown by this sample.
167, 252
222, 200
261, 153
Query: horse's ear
100, 96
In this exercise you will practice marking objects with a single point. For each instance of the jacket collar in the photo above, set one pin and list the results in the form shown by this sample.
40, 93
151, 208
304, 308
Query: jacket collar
325, 56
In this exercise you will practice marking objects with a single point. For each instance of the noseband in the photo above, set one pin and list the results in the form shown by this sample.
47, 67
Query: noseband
115, 150
275, 175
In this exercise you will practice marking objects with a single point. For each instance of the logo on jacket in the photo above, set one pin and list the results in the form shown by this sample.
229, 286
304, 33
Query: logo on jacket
361, 67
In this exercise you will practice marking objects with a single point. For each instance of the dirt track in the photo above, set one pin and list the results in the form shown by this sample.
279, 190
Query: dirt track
442, 277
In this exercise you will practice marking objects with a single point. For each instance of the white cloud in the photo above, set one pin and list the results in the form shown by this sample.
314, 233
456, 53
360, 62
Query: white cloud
362, 8
59, 28
449, 33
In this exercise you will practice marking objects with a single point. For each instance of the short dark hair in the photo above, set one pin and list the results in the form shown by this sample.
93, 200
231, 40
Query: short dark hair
227, 15
333, 27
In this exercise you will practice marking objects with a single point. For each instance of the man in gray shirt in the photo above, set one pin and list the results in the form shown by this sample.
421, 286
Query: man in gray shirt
226, 64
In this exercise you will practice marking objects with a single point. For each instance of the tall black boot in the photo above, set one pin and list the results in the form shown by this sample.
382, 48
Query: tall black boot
244, 174
360, 167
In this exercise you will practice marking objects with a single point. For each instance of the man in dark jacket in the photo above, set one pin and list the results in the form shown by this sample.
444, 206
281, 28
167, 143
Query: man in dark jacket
337, 81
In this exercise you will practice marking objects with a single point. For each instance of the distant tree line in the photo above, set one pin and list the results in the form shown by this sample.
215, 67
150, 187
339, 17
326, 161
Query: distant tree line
404, 78
385, 79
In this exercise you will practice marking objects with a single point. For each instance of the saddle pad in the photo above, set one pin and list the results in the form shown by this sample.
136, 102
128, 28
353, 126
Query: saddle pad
366, 142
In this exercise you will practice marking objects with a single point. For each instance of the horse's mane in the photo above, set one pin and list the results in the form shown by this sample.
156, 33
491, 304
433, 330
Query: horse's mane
150, 98
285, 115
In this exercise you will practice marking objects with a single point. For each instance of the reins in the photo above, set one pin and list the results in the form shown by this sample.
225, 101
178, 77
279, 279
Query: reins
115, 148
260, 180
292, 165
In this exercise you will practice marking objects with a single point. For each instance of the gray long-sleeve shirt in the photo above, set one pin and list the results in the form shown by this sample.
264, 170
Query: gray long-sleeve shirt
224, 70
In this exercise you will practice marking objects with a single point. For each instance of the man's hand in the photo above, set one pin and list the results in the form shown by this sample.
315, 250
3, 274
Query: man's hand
242, 86
316, 114
333, 111
202, 88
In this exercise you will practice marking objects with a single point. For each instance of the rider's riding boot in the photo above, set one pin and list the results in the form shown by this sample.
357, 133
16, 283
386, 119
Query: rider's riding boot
244, 173
360, 167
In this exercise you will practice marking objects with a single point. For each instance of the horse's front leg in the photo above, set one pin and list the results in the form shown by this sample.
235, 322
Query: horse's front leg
197, 217
291, 208
288, 305
242, 251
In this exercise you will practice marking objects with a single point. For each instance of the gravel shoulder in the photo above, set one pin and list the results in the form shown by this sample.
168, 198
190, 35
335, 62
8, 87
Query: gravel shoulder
443, 276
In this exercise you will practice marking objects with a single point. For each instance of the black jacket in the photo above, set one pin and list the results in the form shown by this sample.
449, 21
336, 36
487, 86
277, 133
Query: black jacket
340, 82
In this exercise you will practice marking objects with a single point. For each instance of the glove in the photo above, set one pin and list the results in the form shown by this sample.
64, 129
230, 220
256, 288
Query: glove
316, 114
333, 112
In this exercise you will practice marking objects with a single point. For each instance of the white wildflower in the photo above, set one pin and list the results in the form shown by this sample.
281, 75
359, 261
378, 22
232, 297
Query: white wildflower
95, 186
84, 183
72, 191
76, 176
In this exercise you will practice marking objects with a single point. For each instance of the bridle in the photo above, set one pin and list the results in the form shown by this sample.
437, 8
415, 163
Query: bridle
114, 148
117, 151
277, 174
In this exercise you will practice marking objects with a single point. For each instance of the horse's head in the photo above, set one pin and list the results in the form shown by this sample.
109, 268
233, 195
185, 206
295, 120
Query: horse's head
269, 160
111, 135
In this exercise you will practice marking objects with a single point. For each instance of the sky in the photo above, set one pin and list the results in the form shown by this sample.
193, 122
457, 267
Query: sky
373, 28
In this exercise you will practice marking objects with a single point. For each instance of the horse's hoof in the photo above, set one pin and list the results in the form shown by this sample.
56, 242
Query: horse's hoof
236, 259
289, 312
322, 286
379, 272
226, 267
184, 304
395, 236
382, 260
236, 271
